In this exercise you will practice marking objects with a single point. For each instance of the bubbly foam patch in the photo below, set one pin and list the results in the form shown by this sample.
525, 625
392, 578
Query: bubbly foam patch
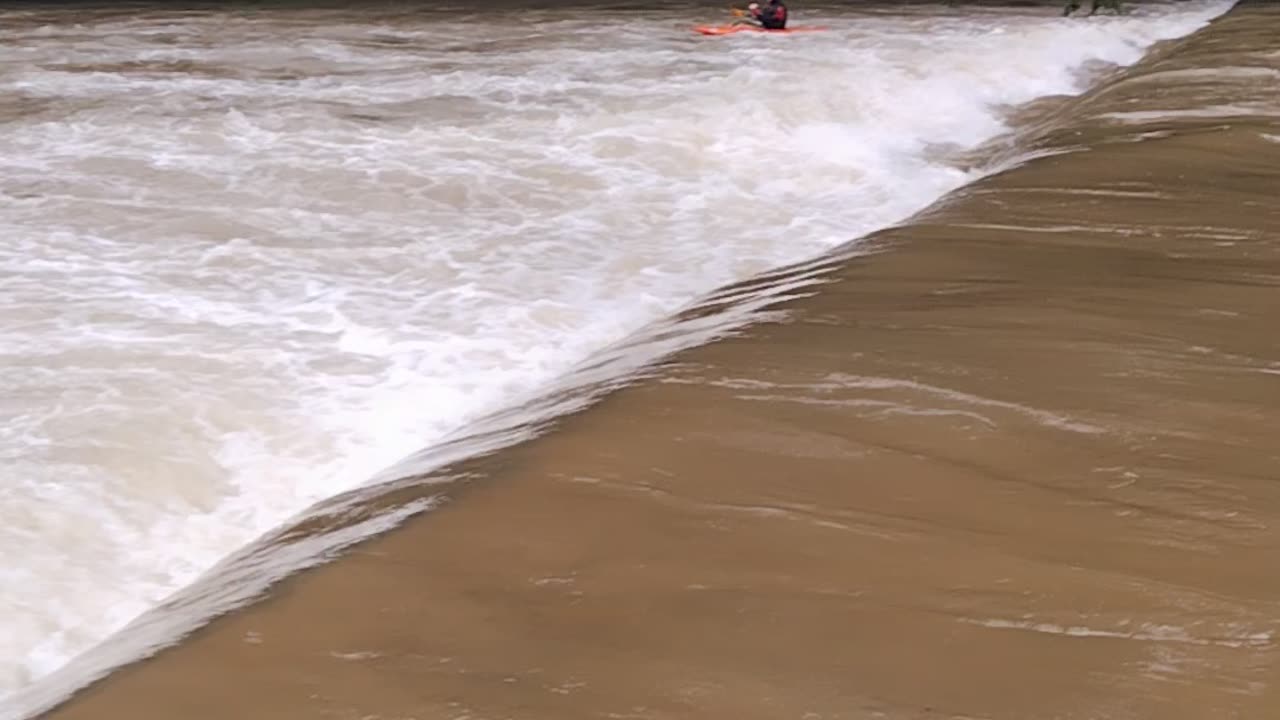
252, 259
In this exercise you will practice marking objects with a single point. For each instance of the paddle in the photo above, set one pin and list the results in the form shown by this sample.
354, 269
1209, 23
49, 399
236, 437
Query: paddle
744, 16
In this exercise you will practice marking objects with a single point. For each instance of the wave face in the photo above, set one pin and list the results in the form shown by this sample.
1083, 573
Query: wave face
253, 258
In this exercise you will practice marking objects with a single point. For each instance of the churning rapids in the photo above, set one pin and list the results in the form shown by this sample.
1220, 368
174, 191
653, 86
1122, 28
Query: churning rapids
251, 259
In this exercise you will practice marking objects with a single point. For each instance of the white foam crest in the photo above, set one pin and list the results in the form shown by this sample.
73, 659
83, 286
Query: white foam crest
1146, 632
252, 261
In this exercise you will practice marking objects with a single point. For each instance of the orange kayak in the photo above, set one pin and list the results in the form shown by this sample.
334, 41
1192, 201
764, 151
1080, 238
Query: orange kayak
731, 29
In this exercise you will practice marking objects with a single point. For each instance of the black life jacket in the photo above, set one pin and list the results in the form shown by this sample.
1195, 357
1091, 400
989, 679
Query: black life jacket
774, 16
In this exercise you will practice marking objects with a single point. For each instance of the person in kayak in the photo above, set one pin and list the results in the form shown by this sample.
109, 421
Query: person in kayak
770, 16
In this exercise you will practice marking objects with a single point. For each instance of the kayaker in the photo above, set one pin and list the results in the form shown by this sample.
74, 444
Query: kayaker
772, 15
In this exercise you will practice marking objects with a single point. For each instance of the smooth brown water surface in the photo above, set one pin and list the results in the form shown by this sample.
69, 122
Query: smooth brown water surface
1022, 462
